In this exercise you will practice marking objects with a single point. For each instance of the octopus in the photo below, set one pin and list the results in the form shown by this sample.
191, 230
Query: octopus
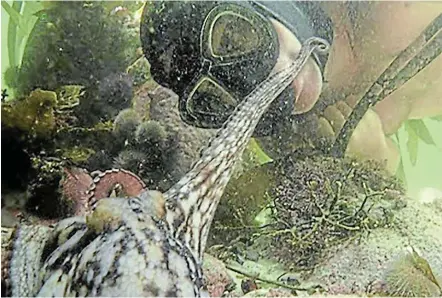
85, 190
151, 244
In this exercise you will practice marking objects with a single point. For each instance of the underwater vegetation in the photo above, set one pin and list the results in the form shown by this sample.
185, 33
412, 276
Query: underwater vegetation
34, 114
411, 276
56, 52
315, 203
320, 202
87, 111
416, 131
408, 275
67, 89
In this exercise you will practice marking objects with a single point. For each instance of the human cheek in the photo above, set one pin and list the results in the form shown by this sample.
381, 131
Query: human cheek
426, 99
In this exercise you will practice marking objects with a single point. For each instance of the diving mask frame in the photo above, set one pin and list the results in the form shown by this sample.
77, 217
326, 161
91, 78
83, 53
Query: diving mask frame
224, 50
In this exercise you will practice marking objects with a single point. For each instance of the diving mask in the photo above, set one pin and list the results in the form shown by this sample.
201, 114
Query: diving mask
213, 54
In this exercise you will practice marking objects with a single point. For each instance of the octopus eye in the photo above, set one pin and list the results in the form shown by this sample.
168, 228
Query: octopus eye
135, 205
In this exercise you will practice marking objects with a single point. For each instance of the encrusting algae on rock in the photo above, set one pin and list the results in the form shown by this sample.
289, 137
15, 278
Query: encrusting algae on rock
33, 114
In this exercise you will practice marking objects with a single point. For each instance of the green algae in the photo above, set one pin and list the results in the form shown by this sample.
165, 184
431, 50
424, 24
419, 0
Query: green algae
77, 154
33, 115
316, 203
139, 71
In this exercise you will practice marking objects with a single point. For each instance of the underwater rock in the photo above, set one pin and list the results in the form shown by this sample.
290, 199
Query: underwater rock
189, 140
164, 146
158, 146
216, 277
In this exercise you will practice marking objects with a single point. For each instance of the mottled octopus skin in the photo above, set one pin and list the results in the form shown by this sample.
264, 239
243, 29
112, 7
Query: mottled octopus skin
136, 246
116, 251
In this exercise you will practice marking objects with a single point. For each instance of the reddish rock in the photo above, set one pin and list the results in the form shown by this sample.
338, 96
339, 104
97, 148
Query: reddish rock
216, 277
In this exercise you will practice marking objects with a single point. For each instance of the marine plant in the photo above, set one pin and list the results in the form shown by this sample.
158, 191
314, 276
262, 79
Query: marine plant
22, 18
316, 203
408, 275
416, 131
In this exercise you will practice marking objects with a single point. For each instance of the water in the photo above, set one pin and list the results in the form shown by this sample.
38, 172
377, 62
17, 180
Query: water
79, 98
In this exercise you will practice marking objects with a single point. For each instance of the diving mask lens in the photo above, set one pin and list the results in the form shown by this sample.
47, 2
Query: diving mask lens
231, 35
208, 98
239, 48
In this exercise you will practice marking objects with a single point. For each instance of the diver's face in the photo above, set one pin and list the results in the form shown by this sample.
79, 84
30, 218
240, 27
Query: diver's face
308, 83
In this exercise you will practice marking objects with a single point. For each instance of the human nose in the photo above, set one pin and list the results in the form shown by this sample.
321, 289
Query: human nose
307, 86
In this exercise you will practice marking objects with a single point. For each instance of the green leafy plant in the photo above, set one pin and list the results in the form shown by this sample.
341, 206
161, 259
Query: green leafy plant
33, 26
22, 18
417, 131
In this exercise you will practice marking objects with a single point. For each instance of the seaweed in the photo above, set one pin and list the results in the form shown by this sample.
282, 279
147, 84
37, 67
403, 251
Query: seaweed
73, 43
34, 114
315, 203
320, 202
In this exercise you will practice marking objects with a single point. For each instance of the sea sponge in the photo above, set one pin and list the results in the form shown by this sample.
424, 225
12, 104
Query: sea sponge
131, 160
149, 133
125, 124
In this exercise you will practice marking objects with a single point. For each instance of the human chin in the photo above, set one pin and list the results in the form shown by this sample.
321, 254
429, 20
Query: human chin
308, 83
